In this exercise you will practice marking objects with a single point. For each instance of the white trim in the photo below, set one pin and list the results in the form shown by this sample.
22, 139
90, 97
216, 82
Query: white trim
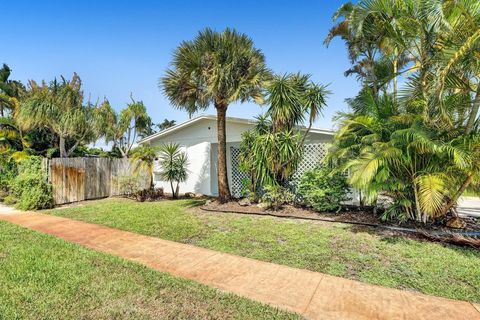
212, 117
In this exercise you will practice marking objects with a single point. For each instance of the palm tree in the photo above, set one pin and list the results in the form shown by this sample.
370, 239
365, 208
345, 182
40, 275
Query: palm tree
418, 144
173, 164
125, 128
165, 124
216, 68
144, 158
272, 151
59, 107
10, 91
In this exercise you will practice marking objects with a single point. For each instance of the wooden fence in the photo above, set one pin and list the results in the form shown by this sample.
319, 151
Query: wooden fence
77, 179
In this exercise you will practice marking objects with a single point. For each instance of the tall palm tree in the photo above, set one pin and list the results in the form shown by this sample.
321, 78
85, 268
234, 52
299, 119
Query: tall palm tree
216, 68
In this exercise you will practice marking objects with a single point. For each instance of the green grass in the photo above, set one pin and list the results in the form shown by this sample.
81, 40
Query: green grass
337, 249
42, 277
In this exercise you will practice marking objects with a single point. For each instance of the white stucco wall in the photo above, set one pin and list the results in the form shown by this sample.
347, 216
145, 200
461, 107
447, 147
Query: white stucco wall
199, 141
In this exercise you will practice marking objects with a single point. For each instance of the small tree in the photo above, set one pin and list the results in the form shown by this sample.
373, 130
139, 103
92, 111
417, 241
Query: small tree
144, 158
174, 163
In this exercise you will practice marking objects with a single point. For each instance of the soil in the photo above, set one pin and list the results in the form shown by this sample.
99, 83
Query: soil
350, 214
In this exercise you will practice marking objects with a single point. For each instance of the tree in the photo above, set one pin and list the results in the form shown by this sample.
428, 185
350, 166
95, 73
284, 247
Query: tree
10, 91
165, 124
273, 149
173, 164
417, 144
216, 68
144, 159
59, 107
125, 128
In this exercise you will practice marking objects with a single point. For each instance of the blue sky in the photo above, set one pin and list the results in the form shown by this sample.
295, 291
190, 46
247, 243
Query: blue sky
123, 47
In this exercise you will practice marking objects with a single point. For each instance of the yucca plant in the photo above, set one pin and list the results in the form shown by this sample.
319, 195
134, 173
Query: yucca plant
173, 166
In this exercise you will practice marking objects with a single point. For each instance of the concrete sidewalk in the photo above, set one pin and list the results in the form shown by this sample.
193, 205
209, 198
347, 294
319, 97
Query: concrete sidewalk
312, 294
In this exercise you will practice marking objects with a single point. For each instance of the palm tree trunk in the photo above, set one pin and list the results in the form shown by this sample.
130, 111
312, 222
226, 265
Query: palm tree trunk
418, 209
223, 188
457, 195
63, 151
474, 112
395, 71
173, 190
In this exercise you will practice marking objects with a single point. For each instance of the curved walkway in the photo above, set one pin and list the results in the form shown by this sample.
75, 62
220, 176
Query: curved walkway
312, 294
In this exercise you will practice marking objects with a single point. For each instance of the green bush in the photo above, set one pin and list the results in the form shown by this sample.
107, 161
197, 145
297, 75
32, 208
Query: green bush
8, 171
275, 196
323, 190
30, 188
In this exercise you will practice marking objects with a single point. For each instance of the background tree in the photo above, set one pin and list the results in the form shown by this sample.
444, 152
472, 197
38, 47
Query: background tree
10, 91
216, 68
165, 124
173, 163
59, 107
125, 128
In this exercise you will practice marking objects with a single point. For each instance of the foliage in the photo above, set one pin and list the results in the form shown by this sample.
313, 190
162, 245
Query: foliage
174, 166
323, 189
271, 152
165, 124
149, 194
143, 158
129, 185
59, 107
8, 171
216, 68
125, 128
276, 196
417, 143
30, 187
10, 92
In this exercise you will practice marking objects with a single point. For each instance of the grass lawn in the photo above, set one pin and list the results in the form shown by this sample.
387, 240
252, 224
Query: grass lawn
337, 249
43, 277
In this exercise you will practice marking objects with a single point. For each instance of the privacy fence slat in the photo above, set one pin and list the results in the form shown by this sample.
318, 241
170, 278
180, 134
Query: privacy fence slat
78, 179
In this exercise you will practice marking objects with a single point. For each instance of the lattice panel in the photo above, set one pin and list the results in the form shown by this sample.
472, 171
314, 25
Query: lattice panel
237, 175
313, 154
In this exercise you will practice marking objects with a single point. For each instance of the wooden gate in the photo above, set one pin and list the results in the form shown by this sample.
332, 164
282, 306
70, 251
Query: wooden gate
77, 179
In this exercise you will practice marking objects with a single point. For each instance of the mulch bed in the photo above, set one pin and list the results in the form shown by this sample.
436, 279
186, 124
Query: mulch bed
363, 217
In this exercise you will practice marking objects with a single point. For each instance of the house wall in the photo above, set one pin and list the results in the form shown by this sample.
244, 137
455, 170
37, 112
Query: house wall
199, 141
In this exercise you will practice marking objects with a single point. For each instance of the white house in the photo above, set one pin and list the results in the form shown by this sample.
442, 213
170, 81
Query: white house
198, 137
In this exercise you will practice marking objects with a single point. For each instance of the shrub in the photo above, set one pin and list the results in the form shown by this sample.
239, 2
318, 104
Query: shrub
323, 189
30, 188
8, 171
275, 196
149, 194
128, 185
